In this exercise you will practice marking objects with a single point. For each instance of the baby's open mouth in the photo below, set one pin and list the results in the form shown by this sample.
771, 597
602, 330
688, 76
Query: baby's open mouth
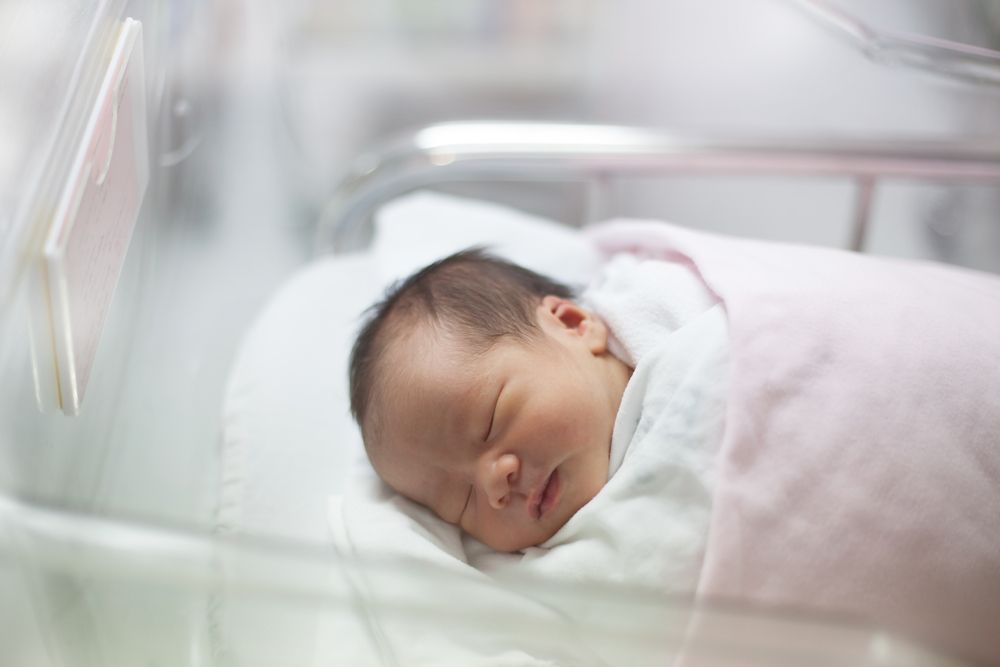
548, 496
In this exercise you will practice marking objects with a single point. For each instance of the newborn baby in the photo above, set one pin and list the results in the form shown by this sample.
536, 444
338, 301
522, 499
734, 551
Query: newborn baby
485, 393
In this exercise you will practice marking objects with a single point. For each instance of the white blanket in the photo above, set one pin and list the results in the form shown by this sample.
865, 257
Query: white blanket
646, 527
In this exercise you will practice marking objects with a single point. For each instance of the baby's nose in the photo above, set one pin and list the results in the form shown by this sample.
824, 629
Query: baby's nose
499, 476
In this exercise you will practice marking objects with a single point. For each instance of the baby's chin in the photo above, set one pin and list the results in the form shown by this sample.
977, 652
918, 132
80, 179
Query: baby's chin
514, 544
529, 536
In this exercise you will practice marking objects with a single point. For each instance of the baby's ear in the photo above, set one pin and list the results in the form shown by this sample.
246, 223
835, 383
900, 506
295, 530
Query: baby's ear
568, 317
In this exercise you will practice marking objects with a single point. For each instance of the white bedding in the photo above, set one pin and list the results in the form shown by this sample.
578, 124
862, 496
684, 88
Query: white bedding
285, 452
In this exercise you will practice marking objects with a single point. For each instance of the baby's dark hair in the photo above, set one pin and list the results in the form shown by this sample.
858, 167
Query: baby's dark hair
480, 297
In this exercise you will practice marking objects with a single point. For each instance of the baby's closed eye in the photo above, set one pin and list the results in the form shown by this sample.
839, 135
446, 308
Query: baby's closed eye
492, 428
493, 417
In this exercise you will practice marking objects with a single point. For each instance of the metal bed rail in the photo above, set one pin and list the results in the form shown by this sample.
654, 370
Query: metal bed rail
530, 152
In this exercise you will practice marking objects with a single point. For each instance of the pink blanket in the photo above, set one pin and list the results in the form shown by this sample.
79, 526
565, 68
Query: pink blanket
860, 466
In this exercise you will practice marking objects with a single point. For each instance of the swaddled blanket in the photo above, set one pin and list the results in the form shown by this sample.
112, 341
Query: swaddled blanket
856, 468
860, 466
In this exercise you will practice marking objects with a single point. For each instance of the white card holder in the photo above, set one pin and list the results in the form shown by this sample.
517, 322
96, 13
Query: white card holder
97, 209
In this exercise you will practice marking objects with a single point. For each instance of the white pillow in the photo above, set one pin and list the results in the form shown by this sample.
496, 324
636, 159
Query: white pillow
417, 229
288, 441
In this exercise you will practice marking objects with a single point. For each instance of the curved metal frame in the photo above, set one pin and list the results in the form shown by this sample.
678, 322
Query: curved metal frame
520, 151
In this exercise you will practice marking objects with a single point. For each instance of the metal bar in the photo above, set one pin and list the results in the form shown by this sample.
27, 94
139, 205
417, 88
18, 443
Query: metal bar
863, 202
599, 196
517, 151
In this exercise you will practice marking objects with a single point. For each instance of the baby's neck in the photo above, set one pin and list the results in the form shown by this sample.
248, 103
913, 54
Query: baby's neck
618, 374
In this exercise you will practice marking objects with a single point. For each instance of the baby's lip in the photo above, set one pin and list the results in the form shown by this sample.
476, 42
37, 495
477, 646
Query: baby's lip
544, 496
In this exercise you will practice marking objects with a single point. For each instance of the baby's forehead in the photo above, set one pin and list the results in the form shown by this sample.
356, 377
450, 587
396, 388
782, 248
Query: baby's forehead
424, 350
425, 375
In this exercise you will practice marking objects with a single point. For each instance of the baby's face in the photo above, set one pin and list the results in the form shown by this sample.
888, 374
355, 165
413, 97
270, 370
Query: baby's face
509, 444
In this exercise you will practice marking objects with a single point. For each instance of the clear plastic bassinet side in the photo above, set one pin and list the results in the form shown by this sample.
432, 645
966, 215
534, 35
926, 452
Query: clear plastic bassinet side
133, 593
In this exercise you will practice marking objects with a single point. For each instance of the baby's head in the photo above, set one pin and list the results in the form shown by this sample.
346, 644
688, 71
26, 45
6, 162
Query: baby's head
486, 394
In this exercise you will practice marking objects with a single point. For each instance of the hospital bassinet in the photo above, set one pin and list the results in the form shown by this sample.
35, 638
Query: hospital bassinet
84, 587
101, 590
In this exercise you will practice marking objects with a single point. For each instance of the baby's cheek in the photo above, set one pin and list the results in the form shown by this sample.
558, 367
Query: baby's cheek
579, 425
558, 434
570, 413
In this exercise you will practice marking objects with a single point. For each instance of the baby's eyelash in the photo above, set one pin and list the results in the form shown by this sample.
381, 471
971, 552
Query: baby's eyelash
493, 417
489, 427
